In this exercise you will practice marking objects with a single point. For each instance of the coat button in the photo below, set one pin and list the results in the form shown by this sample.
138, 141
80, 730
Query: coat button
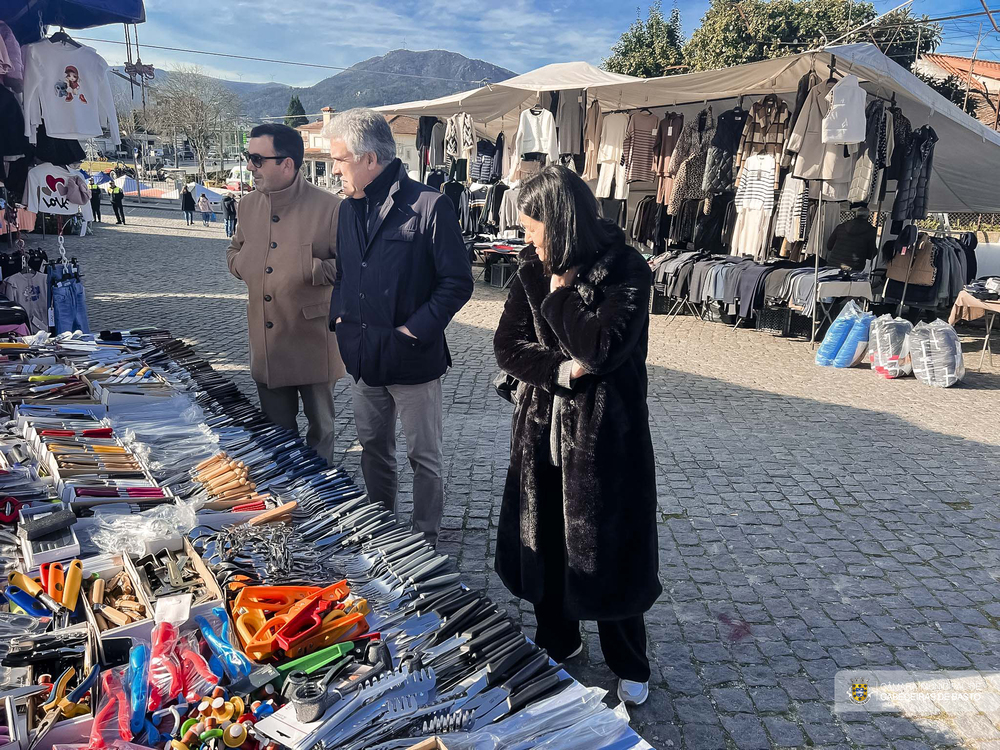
269, 324
267, 297
364, 325
362, 295
364, 264
268, 270
274, 245
275, 219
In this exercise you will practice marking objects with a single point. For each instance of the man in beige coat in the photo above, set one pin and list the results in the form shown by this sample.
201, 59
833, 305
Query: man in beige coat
284, 250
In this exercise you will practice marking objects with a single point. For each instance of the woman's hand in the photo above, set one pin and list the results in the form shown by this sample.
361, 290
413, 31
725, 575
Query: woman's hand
578, 371
564, 280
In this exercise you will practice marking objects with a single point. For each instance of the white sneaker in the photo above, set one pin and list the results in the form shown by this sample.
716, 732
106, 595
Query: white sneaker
633, 693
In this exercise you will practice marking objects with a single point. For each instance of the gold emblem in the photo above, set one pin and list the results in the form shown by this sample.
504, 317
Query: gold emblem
859, 692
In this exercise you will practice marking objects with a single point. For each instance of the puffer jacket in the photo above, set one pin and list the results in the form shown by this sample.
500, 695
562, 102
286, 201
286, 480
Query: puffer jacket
912, 190
719, 177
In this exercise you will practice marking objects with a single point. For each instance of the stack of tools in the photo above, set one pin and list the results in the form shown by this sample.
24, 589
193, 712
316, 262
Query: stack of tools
292, 621
56, 591
228, 485
115, 602
168, 573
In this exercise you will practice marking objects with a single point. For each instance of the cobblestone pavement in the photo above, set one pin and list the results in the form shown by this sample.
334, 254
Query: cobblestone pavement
810, 519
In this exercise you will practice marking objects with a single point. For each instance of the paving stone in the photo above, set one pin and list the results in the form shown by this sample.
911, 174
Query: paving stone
783, 732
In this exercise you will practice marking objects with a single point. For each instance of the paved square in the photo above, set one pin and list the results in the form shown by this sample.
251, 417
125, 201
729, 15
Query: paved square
811, 519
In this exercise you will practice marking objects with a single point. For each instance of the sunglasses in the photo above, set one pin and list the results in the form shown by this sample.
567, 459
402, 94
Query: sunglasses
258, 161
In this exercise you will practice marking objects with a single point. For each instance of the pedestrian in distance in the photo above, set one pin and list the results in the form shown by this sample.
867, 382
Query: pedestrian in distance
403, 272
205, 208
95, 199
577, 529
229, 211
187, 205
285, 249
117, 202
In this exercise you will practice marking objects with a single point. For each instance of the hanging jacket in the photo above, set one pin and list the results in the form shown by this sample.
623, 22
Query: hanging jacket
876, 152
912, 189
902, 132
719, 177
852, 243
687, 164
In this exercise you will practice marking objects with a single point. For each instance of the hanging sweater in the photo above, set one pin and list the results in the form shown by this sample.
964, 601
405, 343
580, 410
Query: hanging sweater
536, 133
68, 88
57, 190
569, 121
637, 148
845, 120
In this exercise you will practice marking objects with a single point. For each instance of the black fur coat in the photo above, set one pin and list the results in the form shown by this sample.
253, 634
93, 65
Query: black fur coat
608, 471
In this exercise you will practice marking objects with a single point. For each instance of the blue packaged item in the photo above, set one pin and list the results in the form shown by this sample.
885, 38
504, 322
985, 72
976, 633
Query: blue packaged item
837, 335
855, 346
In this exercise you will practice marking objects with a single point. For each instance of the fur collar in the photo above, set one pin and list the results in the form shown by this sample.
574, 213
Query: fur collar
587, 281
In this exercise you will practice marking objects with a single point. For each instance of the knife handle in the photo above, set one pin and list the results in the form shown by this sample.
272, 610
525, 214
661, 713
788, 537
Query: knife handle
448, 579
489, 636
524, 675
431, 566
478, 628
508, 664
534, 690
501, 649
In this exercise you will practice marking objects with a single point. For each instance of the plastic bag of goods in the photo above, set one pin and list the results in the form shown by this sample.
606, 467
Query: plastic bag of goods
888, 347
936, 354
855, 346
837, 335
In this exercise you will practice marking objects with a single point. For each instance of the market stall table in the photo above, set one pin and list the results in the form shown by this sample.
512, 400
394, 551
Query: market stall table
968, 307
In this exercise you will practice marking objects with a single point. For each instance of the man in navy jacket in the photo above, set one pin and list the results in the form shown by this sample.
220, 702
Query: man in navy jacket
403, 271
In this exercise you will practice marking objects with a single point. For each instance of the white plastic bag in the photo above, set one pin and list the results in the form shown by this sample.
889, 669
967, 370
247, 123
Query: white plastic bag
887, 343
936, 354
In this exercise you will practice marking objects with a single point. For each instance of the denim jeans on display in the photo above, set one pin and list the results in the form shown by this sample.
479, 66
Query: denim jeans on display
69, 306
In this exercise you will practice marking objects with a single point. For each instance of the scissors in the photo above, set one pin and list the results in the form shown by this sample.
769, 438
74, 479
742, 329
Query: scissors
62, 704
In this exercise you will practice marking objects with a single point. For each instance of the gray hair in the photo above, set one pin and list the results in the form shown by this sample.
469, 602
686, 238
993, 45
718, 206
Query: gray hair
363, 131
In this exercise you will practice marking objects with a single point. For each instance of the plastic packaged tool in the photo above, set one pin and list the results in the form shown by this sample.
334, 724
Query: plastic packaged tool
138, 687
235, 664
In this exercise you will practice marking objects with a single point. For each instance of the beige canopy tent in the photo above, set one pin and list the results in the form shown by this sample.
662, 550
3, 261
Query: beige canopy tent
966, 158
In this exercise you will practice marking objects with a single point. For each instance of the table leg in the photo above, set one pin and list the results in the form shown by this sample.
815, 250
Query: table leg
986, 342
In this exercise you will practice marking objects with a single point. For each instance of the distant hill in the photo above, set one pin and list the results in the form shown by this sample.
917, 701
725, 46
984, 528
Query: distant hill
366, 83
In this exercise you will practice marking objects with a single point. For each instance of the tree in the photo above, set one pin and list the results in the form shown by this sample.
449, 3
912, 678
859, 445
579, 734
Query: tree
952, 89
649, 48
195, 106
733, 33
296, 114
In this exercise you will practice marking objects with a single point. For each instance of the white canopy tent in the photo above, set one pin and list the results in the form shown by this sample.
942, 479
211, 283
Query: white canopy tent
966, 157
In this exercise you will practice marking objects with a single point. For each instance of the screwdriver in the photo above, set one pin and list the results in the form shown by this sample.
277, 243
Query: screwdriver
34, 588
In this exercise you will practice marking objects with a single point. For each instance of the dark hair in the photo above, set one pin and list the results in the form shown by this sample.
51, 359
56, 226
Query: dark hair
287, 141
575, 233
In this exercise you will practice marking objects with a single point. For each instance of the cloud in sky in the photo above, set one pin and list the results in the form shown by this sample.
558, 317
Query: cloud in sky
517, 34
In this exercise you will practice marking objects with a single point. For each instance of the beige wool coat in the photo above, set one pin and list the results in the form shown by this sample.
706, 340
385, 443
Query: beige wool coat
285, 250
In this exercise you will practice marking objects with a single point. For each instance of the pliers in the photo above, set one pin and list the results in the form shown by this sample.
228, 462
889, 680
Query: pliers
61, 704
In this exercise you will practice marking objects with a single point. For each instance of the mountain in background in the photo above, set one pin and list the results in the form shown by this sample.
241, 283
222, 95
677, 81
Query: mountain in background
365, 84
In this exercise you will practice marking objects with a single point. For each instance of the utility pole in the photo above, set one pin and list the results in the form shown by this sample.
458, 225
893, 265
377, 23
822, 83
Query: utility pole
916, 55
972, 67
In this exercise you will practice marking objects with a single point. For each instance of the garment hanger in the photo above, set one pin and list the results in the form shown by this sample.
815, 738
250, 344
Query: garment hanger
62, 37
833, 70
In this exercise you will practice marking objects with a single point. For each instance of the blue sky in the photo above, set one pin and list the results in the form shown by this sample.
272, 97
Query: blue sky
517, 34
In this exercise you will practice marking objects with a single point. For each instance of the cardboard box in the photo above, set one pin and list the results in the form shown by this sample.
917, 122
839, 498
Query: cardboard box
140, 629
205, 608
432, 743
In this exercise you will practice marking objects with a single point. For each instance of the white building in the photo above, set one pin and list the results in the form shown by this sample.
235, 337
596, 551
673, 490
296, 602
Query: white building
317, 164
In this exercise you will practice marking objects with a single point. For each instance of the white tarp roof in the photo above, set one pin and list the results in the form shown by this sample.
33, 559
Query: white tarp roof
966, 157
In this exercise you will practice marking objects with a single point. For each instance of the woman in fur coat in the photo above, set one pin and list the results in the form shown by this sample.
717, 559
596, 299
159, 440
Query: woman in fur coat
577, 534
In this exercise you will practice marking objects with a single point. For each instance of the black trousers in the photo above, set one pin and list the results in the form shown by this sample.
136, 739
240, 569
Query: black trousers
95, 206
119, 212
622, 641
